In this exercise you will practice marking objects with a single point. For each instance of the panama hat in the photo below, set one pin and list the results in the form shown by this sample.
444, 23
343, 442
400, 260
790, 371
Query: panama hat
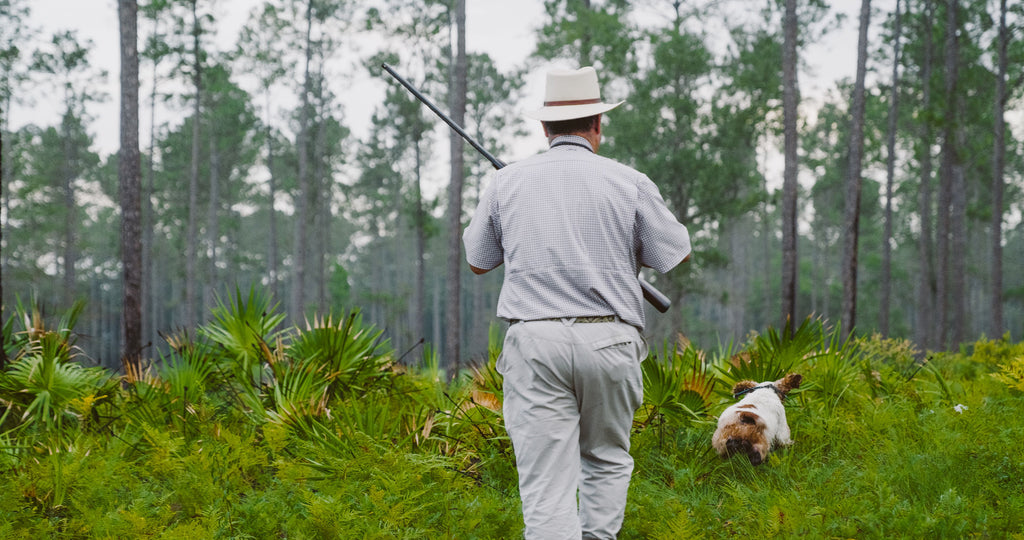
571, 94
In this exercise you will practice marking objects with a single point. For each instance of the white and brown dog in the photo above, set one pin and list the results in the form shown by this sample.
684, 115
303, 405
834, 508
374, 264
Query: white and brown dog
757, 423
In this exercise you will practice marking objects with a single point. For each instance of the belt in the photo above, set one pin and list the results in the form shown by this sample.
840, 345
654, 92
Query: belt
597, 319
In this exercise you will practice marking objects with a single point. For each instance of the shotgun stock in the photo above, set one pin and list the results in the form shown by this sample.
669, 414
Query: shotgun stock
653, 296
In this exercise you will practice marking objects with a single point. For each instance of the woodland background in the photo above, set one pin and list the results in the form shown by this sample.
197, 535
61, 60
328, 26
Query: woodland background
897, 210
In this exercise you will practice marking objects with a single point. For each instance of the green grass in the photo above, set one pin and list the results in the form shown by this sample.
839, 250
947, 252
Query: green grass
886, 446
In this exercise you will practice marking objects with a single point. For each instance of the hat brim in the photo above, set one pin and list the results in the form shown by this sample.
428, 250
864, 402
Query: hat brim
570, 112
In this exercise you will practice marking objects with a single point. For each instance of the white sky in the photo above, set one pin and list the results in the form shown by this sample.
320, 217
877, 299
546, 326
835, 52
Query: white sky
503, 29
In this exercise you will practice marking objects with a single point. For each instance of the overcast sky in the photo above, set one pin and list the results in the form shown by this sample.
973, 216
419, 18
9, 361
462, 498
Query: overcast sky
492, 28
503, 29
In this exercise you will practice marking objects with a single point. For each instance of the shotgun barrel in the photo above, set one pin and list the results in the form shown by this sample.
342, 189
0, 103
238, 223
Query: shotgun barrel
653, 296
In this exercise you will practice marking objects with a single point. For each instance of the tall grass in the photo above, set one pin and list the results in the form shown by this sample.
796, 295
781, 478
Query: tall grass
248, 430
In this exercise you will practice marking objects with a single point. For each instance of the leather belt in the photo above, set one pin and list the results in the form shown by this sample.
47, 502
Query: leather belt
596, 319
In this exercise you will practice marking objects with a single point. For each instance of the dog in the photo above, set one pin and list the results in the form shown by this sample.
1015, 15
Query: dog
757, 423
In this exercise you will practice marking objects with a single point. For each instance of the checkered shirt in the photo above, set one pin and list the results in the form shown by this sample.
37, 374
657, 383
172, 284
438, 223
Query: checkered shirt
573, 229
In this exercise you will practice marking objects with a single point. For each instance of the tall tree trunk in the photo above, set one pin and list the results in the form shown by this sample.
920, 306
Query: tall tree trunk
958, 236
998, 165
272, 210
419, 319
129, 179
453, 319
436, 310
322, 215
70, 155
149, 297
212, 224
191, 241
6, 170
925, 329
944, 214
790, 100
851, 214
767, 234
890, 171
301, 245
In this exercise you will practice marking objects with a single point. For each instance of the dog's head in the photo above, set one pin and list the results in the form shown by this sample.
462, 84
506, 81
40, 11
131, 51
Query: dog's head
747, 437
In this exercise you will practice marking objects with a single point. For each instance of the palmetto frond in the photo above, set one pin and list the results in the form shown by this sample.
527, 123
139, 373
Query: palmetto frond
351, 354
773, 354
242, 329
301, 392
677, 384
43, 385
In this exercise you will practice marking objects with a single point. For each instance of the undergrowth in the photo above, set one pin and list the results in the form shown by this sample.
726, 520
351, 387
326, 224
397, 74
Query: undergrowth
249, 430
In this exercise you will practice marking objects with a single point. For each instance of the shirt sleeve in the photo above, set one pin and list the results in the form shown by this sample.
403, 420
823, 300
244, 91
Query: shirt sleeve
663, 241
482, 237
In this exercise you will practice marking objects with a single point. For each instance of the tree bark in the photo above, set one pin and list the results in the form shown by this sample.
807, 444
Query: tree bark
894, 94
958, 236
944, 213
129, 181
321, 214
149, 298
453, 319
418, 324
790, 100
5, 172
212, 223
272, 210
925, 330
301, 211
851, 219
998, 166
191, 241
70, 151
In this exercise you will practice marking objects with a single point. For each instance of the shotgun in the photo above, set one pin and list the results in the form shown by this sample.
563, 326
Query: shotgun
653, 296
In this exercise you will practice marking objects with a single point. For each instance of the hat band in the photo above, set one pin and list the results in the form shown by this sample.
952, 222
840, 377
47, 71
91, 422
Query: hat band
571, 102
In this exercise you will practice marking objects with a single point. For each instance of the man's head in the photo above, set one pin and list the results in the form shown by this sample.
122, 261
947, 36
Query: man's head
574, 126
588, 127
572, 105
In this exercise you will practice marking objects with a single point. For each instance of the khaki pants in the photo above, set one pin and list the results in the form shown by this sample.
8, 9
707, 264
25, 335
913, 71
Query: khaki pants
570, 392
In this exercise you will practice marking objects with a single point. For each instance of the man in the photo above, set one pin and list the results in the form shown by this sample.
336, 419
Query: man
572, 230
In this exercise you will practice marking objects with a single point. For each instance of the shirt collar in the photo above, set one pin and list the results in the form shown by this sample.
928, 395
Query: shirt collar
574, 140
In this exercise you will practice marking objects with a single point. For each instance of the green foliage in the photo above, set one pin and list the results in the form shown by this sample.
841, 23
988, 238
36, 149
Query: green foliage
337, 442
351, 353
677, 386
44, 390
773, 354
834, 370
243, 329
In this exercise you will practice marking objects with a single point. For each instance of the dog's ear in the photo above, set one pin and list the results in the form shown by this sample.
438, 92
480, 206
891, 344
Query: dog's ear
742, 385
789, 382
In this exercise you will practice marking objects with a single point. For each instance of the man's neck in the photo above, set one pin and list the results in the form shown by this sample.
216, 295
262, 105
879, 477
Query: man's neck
588, 141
